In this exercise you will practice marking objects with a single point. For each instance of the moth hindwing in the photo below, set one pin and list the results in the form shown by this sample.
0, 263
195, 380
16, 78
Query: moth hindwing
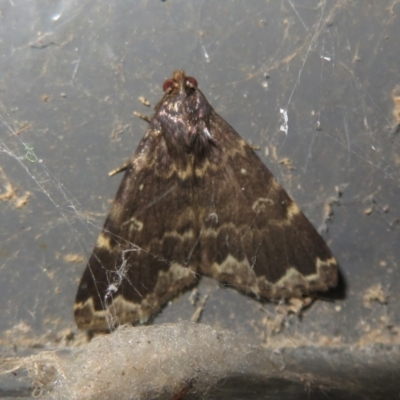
195, 199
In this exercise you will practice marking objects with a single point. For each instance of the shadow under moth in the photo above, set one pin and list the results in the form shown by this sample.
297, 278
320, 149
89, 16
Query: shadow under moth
195, 199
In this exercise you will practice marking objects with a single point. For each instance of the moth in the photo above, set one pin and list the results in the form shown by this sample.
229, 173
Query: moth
196, 200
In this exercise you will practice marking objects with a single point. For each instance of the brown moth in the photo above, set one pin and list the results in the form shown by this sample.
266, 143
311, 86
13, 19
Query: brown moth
195, 199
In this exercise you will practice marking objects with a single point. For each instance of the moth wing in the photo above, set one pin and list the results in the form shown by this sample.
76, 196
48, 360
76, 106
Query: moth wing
143, 256
253, 236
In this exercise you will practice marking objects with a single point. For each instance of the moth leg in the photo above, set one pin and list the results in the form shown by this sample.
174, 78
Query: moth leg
142, 116
123, 167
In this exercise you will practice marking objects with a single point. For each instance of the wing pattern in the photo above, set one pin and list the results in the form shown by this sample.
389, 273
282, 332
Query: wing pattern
196, 199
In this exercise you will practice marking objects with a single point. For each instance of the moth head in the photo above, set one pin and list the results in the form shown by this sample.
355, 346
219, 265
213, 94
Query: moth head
179, 81
183, 115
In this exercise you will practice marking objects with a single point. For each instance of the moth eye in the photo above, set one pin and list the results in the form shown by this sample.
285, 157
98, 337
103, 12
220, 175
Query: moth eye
191, 82
168, 85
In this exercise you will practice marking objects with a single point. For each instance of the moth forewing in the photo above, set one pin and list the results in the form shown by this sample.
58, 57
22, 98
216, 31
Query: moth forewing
196, 199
